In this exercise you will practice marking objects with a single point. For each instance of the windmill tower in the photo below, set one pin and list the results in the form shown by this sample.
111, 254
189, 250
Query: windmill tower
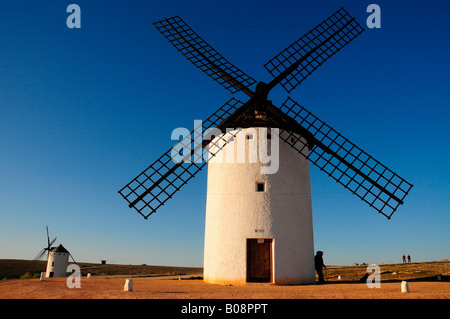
58, 259
259, 225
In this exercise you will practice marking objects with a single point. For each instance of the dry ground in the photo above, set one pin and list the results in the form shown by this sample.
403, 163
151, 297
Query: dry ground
421, 278
112, 288
146, 288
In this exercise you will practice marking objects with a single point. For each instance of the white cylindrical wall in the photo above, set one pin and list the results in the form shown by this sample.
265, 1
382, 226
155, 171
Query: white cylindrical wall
235, 212
57, 264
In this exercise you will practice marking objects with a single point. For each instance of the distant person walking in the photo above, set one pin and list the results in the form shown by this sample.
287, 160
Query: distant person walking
404, 258
319, 265
409, 258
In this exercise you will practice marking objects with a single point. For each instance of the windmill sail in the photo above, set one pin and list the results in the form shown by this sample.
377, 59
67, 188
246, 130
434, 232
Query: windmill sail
203, 56
40, 254
345, 162
294, 64
349, 165
162, 179
48, 248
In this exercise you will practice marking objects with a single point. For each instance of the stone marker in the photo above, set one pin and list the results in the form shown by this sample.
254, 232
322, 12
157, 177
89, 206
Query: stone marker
128, 285
405, 286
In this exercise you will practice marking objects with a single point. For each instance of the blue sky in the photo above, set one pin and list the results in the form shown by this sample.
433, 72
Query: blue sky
83, 111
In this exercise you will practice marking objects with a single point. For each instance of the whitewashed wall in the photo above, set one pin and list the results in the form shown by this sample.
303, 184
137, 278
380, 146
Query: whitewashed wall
235, 212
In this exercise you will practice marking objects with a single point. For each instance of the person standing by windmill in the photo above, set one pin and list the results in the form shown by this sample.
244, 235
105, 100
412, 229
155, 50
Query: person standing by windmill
319, 265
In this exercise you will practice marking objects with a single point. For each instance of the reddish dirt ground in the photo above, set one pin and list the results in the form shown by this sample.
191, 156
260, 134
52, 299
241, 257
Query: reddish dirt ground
143, 288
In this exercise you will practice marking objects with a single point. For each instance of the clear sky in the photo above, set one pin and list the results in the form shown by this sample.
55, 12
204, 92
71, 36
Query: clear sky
83, 111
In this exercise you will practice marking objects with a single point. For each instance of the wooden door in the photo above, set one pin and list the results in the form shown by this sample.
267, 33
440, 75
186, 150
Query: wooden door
259, 260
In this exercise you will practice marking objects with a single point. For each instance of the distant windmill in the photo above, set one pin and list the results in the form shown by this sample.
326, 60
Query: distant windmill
259, 226
57, 258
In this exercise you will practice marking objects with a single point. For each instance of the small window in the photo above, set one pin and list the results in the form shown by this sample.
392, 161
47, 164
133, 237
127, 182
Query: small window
249, 136
269, 136
260, 187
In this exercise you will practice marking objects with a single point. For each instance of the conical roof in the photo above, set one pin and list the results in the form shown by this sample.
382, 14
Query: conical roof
59, 249
259, 112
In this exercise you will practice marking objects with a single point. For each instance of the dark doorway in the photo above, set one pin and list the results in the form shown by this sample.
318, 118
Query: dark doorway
259, 260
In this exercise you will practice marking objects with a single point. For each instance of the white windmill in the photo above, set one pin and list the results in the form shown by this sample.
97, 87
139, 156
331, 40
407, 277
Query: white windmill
57, 259
259, 225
